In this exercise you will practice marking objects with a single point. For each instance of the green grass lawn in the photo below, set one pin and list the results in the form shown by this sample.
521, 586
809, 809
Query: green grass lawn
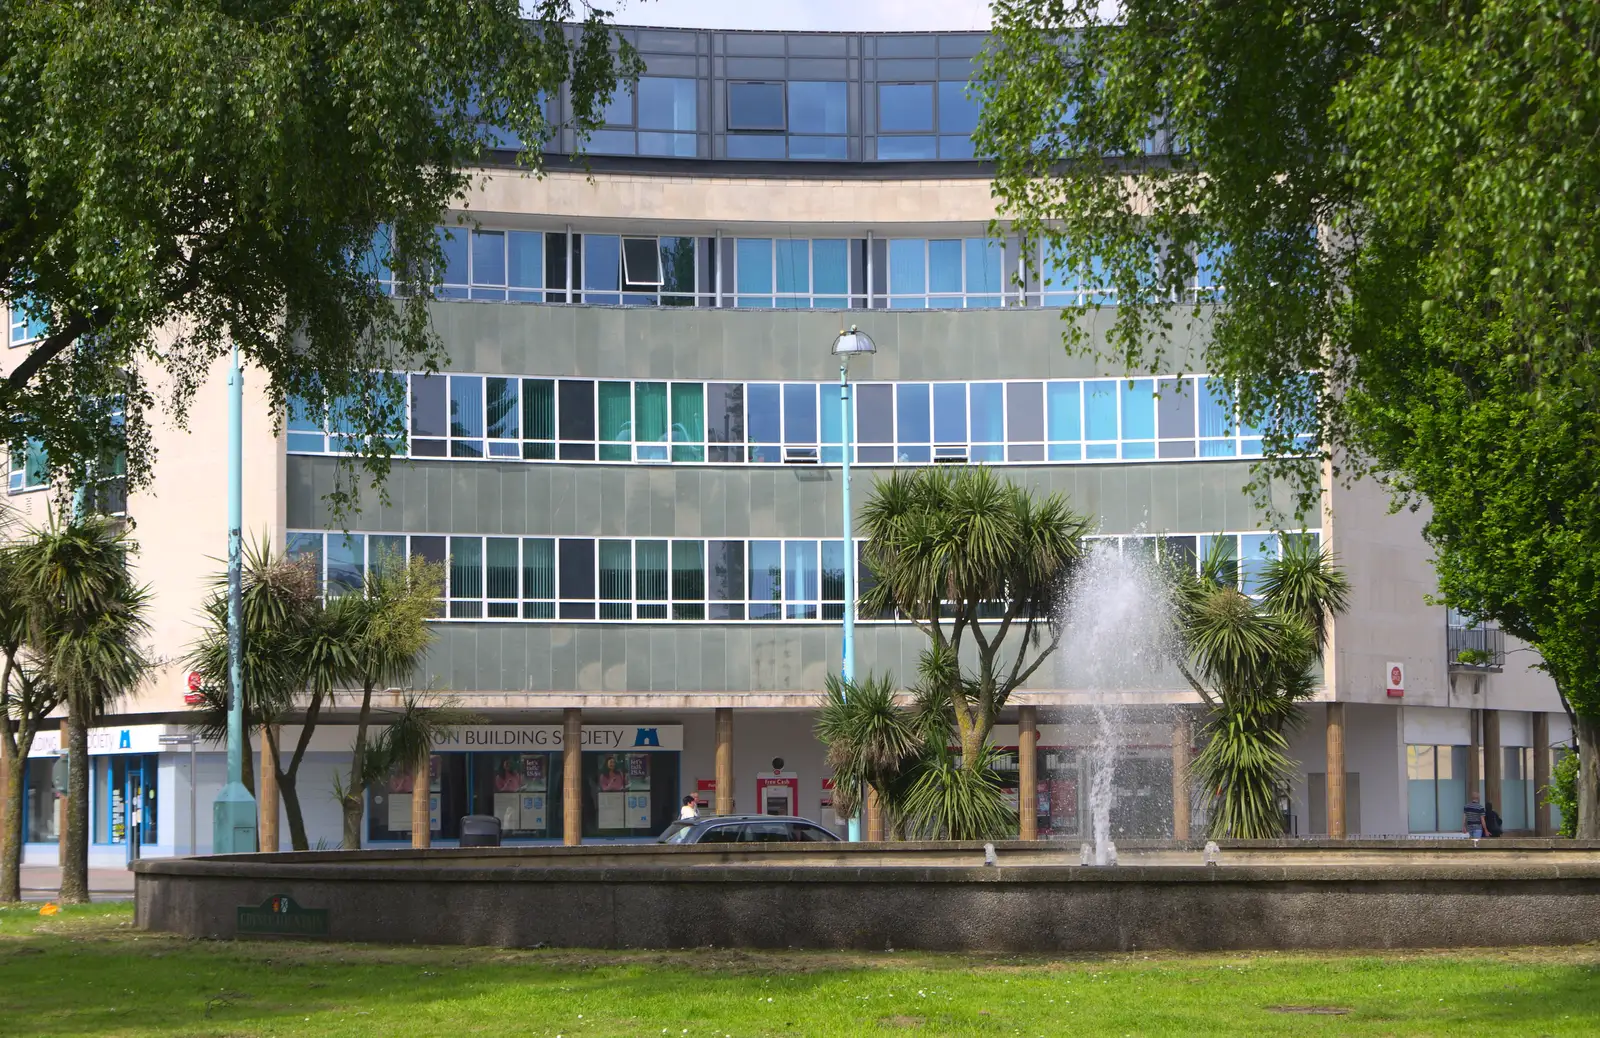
88, 972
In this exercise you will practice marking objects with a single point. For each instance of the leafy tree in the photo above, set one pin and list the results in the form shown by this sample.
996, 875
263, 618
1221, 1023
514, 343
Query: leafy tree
972, 560
870, 739
86, 624
1254, 661
181, 177
1398, 199
406, 744
295, 654
389, 635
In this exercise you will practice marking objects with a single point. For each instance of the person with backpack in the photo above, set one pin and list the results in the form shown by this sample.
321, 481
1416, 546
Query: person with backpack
1491, 821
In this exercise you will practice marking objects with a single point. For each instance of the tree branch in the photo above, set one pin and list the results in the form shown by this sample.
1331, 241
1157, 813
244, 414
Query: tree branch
1204, 695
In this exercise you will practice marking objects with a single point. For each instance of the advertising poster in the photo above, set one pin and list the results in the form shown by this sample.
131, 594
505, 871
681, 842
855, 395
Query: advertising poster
399, 812
638, 810
638, 771
531, 810
613, 774
533, 771
613, 810
508, 808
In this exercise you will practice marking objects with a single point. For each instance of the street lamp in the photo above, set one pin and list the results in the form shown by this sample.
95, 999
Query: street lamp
846, 345
233, 813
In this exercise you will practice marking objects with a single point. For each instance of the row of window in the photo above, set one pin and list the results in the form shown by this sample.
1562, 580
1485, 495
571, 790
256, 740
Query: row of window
1436, 788
757, 273
655, 579
795, 119
915, 423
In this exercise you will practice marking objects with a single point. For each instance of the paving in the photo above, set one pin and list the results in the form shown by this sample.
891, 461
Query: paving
42, 882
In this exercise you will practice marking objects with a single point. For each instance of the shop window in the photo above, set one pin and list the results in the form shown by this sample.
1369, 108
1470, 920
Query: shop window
1436, 788
125, 801
629, 794
389, 801
40, 803
517, 788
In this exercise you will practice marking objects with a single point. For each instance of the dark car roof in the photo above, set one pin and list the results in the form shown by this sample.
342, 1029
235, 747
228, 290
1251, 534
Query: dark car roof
721, 819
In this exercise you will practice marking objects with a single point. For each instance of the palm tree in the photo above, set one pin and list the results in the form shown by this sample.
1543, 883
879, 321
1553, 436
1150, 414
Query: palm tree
407, 742
1253, 661
294, 655
388, 637
870, 739
86, 620
973, 560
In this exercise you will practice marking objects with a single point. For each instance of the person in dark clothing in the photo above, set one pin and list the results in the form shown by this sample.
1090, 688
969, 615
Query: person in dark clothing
1491, 821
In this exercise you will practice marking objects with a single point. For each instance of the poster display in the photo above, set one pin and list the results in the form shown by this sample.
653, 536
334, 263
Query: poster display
520, 783
613, 810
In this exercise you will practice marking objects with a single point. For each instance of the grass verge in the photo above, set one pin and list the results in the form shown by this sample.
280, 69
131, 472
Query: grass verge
87, 971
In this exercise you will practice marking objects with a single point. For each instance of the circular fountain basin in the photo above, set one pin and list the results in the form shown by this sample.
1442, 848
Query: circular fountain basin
925, 896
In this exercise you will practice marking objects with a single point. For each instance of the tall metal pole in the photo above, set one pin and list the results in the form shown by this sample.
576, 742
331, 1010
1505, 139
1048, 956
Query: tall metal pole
848, 670
234, 812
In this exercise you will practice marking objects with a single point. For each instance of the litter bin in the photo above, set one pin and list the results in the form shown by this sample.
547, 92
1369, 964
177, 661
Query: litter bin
480, 831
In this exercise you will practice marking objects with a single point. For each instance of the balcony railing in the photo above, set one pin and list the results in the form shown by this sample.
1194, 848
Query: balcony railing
1480, 648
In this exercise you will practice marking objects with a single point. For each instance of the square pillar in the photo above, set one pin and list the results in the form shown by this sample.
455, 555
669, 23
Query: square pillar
267, 790
1474, 756
1492, 762
572, 776
1180, 778
724, 769
1335, 783
1541, 774
1028, 772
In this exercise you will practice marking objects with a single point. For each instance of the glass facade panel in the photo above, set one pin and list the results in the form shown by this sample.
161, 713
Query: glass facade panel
905, 108
818, 108
666, 104
755, 106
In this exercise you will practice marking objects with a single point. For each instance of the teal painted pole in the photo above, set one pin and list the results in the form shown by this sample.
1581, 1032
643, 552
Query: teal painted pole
848, 670
234, 812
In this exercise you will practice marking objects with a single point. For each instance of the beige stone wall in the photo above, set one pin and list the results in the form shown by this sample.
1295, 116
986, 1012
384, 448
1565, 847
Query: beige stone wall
703, 204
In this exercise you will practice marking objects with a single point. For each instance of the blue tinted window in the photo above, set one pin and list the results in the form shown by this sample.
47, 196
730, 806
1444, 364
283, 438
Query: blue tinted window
794, 265
602, 268
762, 421
525, 260
677, 144
950, 412
818, 108
905, 107
904, 149
754, 146
912, 411
488, 258
1138, 410
766, 578
799, 412
944, 266
620, 111
907, 271
1065, 417
666, 104
988, 412
1100, 406
819, 148
956, 148
755, 106
454, 245
611, 142
830, 268
957, 113
753, 270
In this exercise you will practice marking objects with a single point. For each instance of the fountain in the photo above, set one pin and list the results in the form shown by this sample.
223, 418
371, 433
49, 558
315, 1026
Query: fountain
1116, 637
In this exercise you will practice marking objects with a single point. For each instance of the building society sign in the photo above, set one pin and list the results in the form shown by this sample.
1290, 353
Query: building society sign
630, 737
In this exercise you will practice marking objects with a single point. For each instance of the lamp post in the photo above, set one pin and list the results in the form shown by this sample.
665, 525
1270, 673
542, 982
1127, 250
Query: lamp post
846, 345
233, 813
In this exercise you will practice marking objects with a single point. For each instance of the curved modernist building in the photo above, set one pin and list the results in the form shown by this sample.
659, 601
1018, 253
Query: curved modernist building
631, 470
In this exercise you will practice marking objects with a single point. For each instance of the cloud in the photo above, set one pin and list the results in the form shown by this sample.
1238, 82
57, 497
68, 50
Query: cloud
807, 15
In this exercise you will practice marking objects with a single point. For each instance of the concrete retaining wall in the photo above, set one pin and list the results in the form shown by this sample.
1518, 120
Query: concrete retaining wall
506, 899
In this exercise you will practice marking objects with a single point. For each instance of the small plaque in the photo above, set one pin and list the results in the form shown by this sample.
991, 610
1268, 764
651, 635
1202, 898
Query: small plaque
281, 915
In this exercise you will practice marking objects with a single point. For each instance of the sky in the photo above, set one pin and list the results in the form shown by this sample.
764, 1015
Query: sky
822, 15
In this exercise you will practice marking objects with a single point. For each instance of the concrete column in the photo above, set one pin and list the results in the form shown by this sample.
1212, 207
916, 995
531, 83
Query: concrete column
572, 776
1474, 768
874, 817
1492, 762
1028, 772
1180, 779
61, 802
1336, 820
1541, 774
267, 792
724, 769
421, 796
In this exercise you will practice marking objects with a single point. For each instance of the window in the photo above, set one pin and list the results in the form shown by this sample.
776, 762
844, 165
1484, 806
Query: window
918, 121
755, 106
27, 325
30, 468
819, 120
1436, 788
942, 273
641, 263
660, 120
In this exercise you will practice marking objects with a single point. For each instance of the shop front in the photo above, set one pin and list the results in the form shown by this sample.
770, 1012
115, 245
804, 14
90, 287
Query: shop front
630, 779
1141, 787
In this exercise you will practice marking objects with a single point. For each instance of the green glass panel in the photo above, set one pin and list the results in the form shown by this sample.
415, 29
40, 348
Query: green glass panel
502, 408
500, 559
650, 412
539, 408
538, 567
616, 571
688, 421
616, 413
650, 564
688, 580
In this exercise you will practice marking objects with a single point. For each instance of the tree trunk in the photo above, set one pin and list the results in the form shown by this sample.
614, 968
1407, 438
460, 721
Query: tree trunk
973, 736
12, 769
291, 809
75, 840
355, 793
1588, 777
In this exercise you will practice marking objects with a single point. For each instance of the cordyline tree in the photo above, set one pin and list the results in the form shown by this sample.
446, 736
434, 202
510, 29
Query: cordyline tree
978, 565
179, 176
1399, 199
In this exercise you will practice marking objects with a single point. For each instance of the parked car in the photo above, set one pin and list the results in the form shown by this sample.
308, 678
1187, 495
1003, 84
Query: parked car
747, 829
